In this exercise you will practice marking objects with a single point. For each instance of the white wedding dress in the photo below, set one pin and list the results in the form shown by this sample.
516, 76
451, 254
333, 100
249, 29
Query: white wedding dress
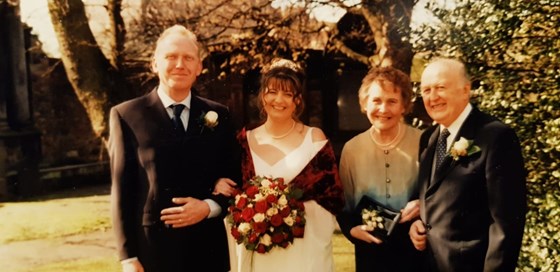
313, 252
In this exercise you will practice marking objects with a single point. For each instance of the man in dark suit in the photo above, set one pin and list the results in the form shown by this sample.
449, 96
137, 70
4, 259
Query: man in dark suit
473, 199
167, 150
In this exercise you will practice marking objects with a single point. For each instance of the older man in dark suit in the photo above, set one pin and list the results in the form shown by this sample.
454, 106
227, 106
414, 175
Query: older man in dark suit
167, 150
471, 178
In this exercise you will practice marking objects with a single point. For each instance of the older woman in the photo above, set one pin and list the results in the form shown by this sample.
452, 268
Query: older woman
381, 163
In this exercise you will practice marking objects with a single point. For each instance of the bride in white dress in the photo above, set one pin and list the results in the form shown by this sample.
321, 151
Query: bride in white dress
302, 155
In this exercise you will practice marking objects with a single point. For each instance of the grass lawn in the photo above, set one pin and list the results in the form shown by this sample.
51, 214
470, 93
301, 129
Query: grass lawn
83, 211
343, 257
89, 265
52, 217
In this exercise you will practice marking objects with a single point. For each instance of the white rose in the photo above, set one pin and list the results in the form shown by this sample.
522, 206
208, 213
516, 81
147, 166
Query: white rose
238, 197
283, 201
259, 217
271, 211
289, 221
461, 145
211, 119
259, 197
266, 183
459, 148
266, 240
244, 228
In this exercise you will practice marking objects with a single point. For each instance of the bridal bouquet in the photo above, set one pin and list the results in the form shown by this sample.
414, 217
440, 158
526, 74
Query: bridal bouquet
266, 214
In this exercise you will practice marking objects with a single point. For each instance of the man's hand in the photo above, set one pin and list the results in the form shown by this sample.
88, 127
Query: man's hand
224, 186
417, 235
410, 211
359, 232
191, 212
132, 266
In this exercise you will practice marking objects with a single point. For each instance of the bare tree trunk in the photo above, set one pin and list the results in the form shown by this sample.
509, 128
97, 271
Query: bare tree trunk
118, 32
97, 84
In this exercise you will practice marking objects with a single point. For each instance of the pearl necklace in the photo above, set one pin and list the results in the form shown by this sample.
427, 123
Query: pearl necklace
390, 143
283, 135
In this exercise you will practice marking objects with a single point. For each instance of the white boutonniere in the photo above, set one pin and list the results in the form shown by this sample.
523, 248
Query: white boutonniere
209, 120
463, 148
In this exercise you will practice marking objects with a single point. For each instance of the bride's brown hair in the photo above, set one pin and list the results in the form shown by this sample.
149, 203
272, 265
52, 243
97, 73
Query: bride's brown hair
284, 75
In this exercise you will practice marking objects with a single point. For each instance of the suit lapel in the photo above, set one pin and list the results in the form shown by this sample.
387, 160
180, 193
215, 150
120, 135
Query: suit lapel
195, 126
467, 131
155, 106
428, 159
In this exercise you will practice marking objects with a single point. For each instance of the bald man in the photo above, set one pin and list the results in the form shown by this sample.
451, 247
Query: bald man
472, 194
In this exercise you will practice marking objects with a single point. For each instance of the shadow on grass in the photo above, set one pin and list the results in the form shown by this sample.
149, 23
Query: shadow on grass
69, 192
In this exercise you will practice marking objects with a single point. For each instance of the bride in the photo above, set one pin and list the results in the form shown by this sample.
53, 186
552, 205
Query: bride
284, 147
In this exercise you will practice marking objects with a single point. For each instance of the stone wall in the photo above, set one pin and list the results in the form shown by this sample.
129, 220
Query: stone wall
66, 134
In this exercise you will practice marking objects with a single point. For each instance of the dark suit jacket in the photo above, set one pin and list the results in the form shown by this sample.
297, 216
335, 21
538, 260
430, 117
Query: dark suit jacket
150, 165
474, 208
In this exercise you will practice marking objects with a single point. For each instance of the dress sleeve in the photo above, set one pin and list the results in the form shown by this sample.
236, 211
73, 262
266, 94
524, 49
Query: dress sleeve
347, 219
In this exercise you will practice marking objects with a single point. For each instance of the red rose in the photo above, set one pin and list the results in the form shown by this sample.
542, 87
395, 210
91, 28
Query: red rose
285, 212
298, 219
261, 248
235, 233
253, 238
277, 238
298, 232
276, 220
247, 214
252, 191
241, 203
293, 202
236, 216
261, 206
271, 199
236, 192
285, 244
259, 227
282, 187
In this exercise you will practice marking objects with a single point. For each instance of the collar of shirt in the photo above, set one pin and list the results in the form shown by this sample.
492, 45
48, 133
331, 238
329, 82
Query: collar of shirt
456, 125
167, 102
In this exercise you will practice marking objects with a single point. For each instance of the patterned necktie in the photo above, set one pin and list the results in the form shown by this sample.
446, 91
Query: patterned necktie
441, 147
177, 123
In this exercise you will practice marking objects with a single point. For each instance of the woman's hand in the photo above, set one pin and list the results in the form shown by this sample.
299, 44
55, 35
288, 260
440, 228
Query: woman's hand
410, 211
359, 232
224, 186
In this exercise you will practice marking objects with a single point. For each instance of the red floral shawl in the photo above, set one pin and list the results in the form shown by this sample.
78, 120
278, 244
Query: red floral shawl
319, 180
